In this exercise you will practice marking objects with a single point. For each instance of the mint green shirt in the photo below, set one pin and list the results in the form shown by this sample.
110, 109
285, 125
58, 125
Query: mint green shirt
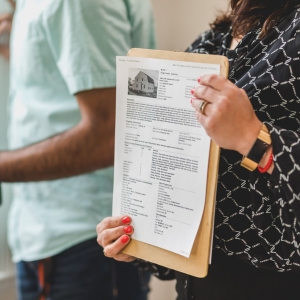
58, 48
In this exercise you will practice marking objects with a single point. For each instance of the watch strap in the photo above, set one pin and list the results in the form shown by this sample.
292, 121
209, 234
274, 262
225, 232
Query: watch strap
258, 150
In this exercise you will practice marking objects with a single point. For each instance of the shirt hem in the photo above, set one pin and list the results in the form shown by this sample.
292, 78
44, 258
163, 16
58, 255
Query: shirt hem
30, 258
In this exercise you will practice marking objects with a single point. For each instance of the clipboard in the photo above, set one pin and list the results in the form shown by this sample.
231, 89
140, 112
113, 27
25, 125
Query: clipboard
197, 264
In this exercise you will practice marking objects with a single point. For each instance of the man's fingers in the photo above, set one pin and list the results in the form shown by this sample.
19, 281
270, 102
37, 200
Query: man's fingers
6, 17
4, 51
5, 27
12, 3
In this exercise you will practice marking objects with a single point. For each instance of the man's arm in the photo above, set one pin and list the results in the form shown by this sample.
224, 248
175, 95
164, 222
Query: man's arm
5, 28
86, 147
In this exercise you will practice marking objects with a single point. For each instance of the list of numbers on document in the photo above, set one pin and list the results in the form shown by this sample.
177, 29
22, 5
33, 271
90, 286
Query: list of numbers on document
161, 151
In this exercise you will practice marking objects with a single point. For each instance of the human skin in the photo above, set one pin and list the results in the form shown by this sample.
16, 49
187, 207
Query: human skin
113, 236
229, 118
84, 148
229, 106
5, 28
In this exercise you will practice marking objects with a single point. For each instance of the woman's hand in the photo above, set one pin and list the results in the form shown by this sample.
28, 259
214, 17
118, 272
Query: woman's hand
113, 235
229, 118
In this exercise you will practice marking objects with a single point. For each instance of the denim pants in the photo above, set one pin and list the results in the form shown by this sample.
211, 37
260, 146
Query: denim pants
84, 273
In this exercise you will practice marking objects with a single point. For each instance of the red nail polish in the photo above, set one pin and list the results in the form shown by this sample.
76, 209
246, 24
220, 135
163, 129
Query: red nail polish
124, 239
128, 229
192, 100
192, 91
199, 79
126, 220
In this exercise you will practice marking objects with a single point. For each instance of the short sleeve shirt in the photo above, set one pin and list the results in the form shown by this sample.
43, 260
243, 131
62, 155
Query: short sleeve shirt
58, 48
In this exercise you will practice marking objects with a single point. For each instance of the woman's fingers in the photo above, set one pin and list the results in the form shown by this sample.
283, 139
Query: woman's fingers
113, 235
108, 236
229, 118
212, 87
206, 93
124, 258
202, 106
113, 249
214, 81
113, 222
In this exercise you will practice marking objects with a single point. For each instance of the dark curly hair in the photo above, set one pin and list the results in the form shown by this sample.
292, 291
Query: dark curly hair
243, 15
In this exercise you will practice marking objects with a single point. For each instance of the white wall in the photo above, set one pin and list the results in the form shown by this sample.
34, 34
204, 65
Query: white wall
180, 22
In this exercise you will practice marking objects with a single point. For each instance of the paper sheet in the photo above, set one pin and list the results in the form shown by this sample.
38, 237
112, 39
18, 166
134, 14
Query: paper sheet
161, 154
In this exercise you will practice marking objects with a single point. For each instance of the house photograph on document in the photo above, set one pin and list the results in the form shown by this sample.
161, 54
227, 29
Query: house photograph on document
143, 82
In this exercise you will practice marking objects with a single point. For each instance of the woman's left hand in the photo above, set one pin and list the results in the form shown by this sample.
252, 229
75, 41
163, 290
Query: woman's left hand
228, 117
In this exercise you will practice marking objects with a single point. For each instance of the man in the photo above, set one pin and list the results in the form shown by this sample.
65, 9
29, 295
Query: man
62, 116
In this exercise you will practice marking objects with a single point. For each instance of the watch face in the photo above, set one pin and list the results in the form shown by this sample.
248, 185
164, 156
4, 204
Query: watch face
258, 150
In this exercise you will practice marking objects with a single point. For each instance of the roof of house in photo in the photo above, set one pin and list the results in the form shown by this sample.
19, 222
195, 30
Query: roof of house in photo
150, 80
154, 74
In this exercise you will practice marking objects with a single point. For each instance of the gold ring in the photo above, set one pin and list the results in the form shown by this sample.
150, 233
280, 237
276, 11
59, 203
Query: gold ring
105, 254
202, 107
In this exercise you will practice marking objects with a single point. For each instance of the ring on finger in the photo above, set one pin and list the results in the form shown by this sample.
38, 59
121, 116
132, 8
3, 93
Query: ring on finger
105, 254
202, 106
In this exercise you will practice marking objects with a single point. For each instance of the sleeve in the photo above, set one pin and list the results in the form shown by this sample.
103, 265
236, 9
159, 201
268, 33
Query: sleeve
160, 272
85, 37
140, 14
207, 43
277, 215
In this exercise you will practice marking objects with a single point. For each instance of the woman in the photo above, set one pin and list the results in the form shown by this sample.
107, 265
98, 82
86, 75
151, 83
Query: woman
257, 227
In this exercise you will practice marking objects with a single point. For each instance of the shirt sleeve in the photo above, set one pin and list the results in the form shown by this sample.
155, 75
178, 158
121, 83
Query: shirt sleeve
207, 42
277, 215
140, 14
85, 37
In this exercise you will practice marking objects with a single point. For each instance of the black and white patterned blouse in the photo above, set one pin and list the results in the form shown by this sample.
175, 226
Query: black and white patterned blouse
258, 216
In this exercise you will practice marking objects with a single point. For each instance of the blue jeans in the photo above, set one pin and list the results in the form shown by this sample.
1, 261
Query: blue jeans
84, 273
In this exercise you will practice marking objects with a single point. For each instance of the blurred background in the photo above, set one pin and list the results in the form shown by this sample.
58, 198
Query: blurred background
178, 23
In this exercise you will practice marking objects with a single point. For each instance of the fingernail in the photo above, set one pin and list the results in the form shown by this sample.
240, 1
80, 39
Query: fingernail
199, 79
128, 229
126, 220
124, 239
192, 91
192, 100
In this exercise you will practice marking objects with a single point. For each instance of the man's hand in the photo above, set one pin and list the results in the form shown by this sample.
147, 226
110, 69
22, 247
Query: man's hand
5, 28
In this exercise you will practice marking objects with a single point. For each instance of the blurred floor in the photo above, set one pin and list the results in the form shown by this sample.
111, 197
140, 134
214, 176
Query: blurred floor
7, 289
162, 290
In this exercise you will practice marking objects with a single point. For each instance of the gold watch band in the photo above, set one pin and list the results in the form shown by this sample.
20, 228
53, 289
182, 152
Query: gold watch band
265, 138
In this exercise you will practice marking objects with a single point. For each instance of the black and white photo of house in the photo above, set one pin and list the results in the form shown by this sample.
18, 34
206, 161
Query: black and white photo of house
143, 82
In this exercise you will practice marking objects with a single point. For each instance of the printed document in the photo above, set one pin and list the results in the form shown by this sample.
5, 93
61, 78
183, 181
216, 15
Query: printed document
161, 151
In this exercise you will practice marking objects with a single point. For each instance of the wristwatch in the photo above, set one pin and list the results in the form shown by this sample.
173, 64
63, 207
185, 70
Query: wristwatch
258, 150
